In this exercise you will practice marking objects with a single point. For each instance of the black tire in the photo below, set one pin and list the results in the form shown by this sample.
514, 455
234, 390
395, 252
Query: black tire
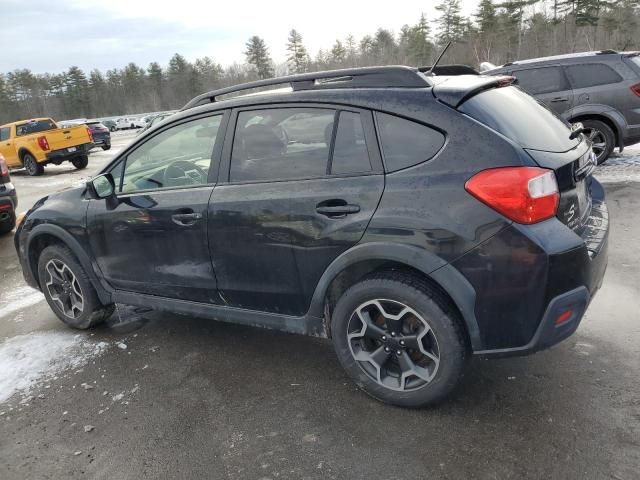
93, 312
80, 162
112, 129
106, 147
449, 346
602, 137
32, 167
9, 224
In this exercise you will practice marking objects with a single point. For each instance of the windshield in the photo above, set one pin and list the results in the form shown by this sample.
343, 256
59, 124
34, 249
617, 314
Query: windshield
521, 118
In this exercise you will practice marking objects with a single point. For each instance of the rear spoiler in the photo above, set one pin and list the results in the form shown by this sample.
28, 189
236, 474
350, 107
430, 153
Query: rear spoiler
455, 90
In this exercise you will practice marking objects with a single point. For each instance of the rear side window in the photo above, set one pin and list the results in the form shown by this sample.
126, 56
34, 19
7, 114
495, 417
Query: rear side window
350, 153
591, 74
406, 143
4, 134
281, 144
542, 80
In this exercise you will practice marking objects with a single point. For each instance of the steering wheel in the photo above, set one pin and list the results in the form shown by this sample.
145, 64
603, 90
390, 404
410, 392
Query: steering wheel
175, 174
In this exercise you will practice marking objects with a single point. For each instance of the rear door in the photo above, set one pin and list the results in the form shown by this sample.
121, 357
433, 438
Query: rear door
549, 85
598, 83
7, 147
303, 183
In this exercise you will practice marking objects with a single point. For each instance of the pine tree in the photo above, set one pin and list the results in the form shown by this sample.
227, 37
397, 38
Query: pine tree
418, 44
298, 58
338, 53
486, 17
257, 55
450, 23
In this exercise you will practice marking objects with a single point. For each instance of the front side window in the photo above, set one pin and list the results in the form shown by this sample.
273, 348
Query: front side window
591, 74
536, 81
4, 133
281, 144
406, 143
180, 156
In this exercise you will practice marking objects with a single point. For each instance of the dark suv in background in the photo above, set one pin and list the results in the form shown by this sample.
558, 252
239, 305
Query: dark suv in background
412, 219
599, 89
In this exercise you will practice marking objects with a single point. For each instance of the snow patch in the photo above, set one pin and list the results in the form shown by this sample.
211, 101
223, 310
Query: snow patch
28, 360
621, 167
18, 299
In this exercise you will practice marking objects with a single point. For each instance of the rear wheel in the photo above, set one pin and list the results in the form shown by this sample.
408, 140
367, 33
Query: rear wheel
80, 162
32, 167
602, 138
106, 147
7, 222
399, 339
68, 290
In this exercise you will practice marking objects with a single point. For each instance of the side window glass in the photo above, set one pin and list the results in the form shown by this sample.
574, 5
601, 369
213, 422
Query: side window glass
350, 153
536, 81
591, 74
4, 134
281, 144
406, 143
177, 157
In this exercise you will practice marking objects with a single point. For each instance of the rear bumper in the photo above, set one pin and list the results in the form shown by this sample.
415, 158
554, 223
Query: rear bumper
64, 154
526, 277
8, 197
102, 139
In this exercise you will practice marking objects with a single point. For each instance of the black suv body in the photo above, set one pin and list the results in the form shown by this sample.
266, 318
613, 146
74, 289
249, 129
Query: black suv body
600, 89
8, 199
373, 206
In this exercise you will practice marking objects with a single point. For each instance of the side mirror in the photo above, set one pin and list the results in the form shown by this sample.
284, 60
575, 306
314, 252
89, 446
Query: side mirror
102, 186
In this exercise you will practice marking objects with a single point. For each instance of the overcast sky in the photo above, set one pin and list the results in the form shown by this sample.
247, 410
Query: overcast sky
51, 35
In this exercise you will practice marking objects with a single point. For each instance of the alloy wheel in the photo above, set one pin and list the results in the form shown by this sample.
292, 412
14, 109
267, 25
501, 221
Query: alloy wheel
598, 142
393, 344
64, 289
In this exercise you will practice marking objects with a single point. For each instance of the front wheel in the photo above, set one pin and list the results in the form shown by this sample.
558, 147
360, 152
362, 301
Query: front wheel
399, 339
68, 290
80, 162
32, 167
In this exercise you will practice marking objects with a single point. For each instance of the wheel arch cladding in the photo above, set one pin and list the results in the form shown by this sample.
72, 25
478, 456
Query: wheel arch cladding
46, 234
610, 122
366, 258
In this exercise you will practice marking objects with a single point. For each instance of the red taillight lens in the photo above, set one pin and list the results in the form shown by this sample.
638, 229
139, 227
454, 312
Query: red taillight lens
636, 89
43, 143
523, 194
90, 134
4, 171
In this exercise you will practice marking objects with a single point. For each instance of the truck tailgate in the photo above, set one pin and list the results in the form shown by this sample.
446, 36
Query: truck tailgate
67, 138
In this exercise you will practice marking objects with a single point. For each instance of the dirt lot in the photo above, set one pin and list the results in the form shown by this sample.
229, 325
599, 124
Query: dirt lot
164, 396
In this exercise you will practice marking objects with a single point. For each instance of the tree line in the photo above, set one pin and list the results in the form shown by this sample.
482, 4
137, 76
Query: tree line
497, 31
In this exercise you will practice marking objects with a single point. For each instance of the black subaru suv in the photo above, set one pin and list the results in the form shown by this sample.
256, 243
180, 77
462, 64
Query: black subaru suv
412, 219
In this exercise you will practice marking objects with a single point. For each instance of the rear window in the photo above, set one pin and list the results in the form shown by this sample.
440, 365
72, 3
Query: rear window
521, 118
537, 81
35, 127
591, 74
406, 143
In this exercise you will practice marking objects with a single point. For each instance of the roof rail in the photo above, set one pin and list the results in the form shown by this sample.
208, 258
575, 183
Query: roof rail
365, 77
606, 52
451, 69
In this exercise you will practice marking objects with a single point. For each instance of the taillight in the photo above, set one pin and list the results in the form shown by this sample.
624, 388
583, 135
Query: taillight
523, 194
43, 143
90, 134
4, 171
636, 89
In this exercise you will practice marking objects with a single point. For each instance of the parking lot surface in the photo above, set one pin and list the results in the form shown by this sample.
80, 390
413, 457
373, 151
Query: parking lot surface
155, 395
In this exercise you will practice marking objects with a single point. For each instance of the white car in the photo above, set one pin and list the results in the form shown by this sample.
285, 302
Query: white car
127, 122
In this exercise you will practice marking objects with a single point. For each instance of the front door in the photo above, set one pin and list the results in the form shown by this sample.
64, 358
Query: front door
7, 149
152, 238
301, 191
549, 85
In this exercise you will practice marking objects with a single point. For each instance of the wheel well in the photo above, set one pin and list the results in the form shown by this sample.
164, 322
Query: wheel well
22, 152
36, 247
603, 119
354, 273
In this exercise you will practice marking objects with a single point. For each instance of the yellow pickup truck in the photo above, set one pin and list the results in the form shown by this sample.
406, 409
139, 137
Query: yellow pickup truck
32, 144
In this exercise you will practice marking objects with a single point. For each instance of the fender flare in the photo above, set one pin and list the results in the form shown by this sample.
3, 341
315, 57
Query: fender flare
444, 274
22, 151
104, 291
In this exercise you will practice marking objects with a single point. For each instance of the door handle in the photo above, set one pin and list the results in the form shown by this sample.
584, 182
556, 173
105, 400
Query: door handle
186, 218
559, 99
337, 211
